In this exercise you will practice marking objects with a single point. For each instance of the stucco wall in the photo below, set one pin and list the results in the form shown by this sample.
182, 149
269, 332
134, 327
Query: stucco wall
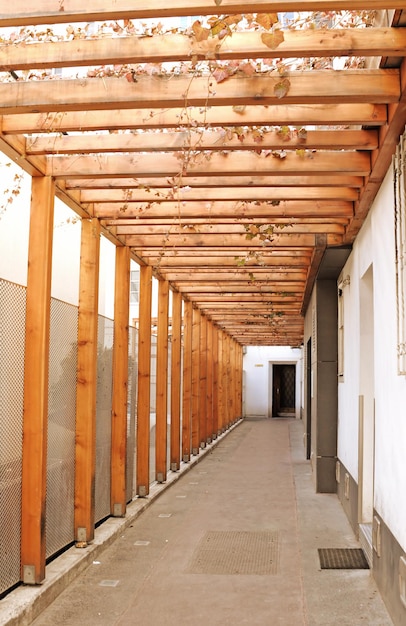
374, 247
257, 377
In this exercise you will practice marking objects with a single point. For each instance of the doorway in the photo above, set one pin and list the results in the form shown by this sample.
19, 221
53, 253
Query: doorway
284, 390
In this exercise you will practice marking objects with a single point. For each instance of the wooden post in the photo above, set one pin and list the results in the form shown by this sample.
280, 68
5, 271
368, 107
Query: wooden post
195, 381
35, 416
187, 382
85, 449
203, 382
162, 383
144, 381
220, 384
120, 383
209, 386
216, 374
176, 360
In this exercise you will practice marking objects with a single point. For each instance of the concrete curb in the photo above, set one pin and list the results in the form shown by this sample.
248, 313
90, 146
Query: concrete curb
23, 605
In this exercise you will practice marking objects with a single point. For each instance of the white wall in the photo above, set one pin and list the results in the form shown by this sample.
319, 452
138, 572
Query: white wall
257, 367
374, 247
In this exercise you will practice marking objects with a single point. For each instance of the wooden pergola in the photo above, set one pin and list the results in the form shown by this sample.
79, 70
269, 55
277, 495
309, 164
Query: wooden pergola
174, 167
228, 188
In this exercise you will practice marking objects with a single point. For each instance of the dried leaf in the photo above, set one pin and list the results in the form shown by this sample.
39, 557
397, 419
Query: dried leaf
282, 88
239, 108
218, 2
221, 74
267, 20
200, 33
274, 39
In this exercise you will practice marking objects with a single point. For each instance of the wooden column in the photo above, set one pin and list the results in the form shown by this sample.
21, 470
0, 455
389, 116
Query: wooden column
85, 449
220, 383
216, 334
226, 379
162, 383
118, 498
209, 386
232, 382
195, 381
176, 360
144, 380
187, 382
240, 380
203, 382
35, 416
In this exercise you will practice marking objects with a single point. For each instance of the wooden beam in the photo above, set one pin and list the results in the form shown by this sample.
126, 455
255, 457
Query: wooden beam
73, 10
120, 383
176, 360
248, 205
161, 435
316, 87
318, 252
241, 201
199, 140
85, 455
235, 164
187, 382
170, 48
157, 184
36, 365
144, 376
216, 241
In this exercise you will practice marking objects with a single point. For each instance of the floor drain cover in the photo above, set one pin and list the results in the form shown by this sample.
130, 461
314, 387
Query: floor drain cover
342, 558
236, 552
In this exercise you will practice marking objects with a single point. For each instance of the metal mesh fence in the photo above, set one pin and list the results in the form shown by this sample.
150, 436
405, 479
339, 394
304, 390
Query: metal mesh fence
12, 337
131, 414
61, 426
105, 334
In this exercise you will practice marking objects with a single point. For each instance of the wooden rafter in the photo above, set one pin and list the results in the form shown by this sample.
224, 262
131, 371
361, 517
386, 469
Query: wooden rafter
229, 190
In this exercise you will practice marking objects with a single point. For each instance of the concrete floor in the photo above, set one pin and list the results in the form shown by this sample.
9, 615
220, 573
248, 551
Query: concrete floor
160, 571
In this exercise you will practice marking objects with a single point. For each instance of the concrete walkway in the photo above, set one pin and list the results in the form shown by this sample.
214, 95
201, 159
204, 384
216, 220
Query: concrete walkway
233, 542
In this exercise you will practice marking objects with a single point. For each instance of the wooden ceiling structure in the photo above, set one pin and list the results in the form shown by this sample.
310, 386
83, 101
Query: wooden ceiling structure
232, 189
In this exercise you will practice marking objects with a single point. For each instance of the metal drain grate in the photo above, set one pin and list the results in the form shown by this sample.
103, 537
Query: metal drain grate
236, 552
342, 558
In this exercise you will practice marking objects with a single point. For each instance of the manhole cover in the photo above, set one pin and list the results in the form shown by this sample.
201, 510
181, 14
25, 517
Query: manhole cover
342, 558
236, 552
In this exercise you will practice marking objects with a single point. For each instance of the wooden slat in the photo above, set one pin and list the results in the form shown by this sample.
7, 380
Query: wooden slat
85, 455
335, 114
203, 140
316, 87
144, 376
187, 382
178, 47
36, 360
252, 204
118, 497
73, 10
216, 241
162, 383
236, 164
243, 201
176, 359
